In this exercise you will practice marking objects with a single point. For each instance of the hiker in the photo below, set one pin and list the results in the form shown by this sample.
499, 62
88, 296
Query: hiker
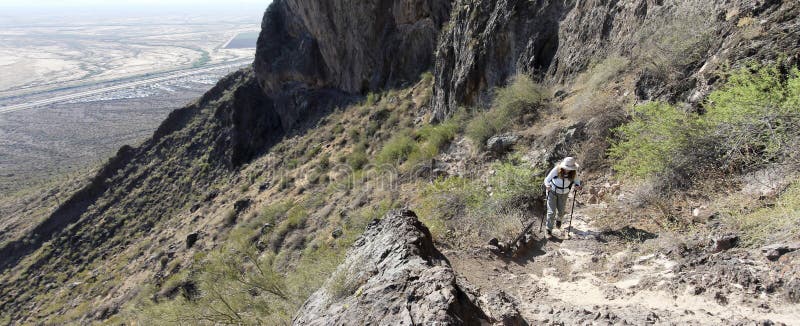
558, 183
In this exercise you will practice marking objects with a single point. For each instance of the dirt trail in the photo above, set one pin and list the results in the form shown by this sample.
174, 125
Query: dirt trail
586, 280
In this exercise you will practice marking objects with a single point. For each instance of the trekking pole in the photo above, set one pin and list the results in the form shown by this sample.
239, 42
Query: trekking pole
572, 212
545, 210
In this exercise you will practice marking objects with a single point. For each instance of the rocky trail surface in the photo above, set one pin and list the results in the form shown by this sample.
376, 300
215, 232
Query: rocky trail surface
596, 278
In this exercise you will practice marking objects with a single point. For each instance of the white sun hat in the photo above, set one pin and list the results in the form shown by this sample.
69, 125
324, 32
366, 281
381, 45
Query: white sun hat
569, 164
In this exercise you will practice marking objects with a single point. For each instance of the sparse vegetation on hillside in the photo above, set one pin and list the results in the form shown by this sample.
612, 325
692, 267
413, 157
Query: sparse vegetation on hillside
245, 202
776, 222
244, 282
670, 42
275, 256
409, 148
521, 96
465, 212
748, 123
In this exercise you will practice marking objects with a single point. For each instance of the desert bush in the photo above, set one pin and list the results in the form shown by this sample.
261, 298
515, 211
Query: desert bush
354, 135
397, 149
462, 212
605, 71
426, 77
513, 179
432, 139
311, 153
448, 200
510, 102
755, 115
656, 133
749, 122
337, 129
239, 283
236, 285
324, 162
358, 158
230, 217
371, 99
777, 222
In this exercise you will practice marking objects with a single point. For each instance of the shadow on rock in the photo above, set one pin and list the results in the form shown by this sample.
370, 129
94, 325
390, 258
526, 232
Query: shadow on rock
627, 234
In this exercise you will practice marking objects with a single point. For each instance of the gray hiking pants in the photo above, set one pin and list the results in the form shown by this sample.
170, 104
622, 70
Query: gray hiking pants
556, 203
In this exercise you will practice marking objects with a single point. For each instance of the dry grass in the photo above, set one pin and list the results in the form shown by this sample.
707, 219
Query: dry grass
772, 221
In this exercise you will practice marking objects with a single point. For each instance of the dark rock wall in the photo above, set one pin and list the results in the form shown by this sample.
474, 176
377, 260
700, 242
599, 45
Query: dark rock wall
353, 46
488, 41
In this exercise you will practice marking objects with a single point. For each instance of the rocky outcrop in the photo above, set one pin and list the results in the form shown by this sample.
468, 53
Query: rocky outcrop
677, 44
393, 275
500, 144
353, 46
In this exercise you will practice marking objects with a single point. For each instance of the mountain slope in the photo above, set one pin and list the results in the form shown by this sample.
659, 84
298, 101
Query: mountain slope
242, 204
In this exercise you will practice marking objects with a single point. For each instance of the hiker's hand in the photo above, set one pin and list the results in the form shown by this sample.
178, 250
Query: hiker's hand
579, 188
548, 188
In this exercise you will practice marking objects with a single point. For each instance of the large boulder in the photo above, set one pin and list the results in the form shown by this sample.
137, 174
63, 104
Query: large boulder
393, 275
501, 144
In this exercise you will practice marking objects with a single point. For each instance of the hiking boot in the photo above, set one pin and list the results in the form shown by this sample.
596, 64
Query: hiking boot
549, 233
558, 224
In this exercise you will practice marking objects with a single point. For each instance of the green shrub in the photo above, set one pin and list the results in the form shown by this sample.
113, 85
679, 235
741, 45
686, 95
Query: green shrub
354, 135
371, 99
426, 77
514, 180
749, 122
239, 284
656, 133
311, 153
447, 199
432, 139
463, 213
338, 129
397, 149
275, 211
755, 116
438, 136
520, 96
394, 119
324, 162
605, 71
482, 127
236, 285
358, 158
230, 217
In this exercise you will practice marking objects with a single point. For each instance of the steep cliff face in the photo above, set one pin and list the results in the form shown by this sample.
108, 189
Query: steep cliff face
676, 44
351, 46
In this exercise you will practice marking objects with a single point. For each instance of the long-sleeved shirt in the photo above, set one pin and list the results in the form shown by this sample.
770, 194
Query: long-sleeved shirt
557, 184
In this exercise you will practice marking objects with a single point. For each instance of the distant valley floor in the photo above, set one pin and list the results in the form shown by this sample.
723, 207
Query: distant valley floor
54, 140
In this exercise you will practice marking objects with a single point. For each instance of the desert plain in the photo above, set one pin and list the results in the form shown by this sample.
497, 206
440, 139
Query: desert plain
73, 89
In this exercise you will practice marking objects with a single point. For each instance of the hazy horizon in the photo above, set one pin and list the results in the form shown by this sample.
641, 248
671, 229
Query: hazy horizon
18, 11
